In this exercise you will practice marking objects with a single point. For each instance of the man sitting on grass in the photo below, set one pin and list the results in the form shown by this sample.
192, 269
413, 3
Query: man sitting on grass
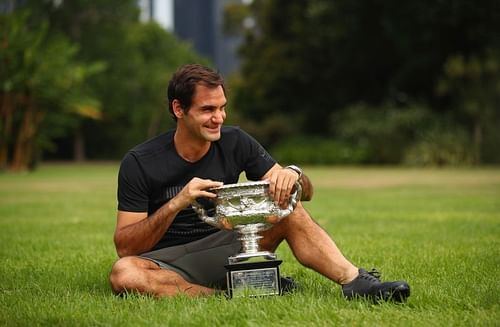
165, 249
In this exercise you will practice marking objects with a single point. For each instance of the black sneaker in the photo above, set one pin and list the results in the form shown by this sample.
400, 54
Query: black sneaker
368, 285
288, 285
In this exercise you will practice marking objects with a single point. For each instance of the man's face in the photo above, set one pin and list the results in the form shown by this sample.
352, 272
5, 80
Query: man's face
207, 113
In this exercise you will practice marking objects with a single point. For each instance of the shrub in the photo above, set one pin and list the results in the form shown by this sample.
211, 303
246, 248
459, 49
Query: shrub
439, 146
384, 132
317, 151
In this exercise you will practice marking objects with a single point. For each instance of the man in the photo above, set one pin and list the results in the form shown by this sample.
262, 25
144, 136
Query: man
165, 249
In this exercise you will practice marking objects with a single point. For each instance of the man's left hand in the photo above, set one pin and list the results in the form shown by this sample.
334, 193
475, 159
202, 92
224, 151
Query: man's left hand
281, 185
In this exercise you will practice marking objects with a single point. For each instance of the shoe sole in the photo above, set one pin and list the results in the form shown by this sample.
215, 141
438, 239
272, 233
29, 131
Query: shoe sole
396, 294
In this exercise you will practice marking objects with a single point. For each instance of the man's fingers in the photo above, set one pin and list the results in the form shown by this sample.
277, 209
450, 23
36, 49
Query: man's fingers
207, 194
286, 191
280, 189
283, 189
198, 188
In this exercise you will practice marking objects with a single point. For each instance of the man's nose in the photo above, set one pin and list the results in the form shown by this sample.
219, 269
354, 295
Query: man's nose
218, 116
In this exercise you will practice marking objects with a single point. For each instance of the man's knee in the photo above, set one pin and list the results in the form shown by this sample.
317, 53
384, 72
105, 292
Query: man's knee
123, 274
287, 225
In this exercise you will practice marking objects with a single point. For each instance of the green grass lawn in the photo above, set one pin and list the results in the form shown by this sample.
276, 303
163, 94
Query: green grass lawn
437, 229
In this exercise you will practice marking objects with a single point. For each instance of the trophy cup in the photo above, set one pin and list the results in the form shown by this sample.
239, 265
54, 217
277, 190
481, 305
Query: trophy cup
249, 209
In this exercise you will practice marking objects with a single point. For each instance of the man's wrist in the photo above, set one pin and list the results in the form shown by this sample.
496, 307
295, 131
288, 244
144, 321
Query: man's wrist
296, 169
173, 206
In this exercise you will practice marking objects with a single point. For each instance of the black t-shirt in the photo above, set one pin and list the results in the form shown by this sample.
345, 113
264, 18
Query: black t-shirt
153, 172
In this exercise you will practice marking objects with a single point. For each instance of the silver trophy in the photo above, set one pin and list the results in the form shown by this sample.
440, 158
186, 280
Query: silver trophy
249, 209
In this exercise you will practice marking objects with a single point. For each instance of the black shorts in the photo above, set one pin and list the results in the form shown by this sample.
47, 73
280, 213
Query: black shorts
200, 262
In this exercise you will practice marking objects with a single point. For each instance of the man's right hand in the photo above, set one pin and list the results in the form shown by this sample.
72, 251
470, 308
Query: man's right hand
196, 188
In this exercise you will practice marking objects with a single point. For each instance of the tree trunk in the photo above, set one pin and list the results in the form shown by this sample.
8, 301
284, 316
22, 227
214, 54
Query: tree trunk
478, 140
6, 113
79, 145
24, 144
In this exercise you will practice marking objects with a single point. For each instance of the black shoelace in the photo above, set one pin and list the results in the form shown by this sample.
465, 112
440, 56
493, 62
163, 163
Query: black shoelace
373, 275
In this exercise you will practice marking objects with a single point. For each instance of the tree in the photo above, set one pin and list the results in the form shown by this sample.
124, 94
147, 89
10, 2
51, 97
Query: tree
473, 84
310, 59
39, 78
104, 76
140, 59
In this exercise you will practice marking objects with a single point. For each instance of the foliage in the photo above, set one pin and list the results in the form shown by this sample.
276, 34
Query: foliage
439, 146
139, 82
108, 69
270, 130
365, 134
140, 59
317, 58
40, 78
384, 132
236, 18
318, 151
88, 73
411, 134
473, 84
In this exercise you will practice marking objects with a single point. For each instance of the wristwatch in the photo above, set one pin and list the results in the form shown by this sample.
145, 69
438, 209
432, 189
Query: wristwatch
295, 169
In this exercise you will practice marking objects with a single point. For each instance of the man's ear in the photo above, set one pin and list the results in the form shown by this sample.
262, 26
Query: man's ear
177, 109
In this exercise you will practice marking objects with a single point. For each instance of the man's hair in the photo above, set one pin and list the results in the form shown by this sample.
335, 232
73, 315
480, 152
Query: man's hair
182, 86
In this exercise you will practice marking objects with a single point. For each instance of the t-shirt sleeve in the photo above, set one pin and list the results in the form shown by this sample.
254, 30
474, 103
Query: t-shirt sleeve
256, 160
132, 186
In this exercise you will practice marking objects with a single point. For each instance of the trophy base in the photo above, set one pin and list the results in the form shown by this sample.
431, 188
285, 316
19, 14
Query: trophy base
252, 257
251, 279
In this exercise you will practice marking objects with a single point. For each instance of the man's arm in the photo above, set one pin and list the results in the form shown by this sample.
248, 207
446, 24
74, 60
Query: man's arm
136, 232
282, 181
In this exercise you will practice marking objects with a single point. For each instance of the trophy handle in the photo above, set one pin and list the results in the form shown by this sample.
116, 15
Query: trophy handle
202, 213
294, 199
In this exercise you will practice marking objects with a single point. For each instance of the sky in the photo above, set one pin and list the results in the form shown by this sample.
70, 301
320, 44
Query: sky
163, 12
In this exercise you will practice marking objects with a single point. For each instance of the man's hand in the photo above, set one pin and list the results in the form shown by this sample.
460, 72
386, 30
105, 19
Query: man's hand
196, 188
281, 184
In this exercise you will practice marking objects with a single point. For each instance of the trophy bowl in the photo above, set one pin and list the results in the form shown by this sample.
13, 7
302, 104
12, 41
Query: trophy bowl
248, 203
248, 208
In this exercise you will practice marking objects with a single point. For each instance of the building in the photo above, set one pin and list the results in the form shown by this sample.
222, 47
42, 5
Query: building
201, 23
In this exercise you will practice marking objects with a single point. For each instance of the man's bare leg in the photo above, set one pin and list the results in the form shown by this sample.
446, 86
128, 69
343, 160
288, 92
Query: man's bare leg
311, 245
134, 274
